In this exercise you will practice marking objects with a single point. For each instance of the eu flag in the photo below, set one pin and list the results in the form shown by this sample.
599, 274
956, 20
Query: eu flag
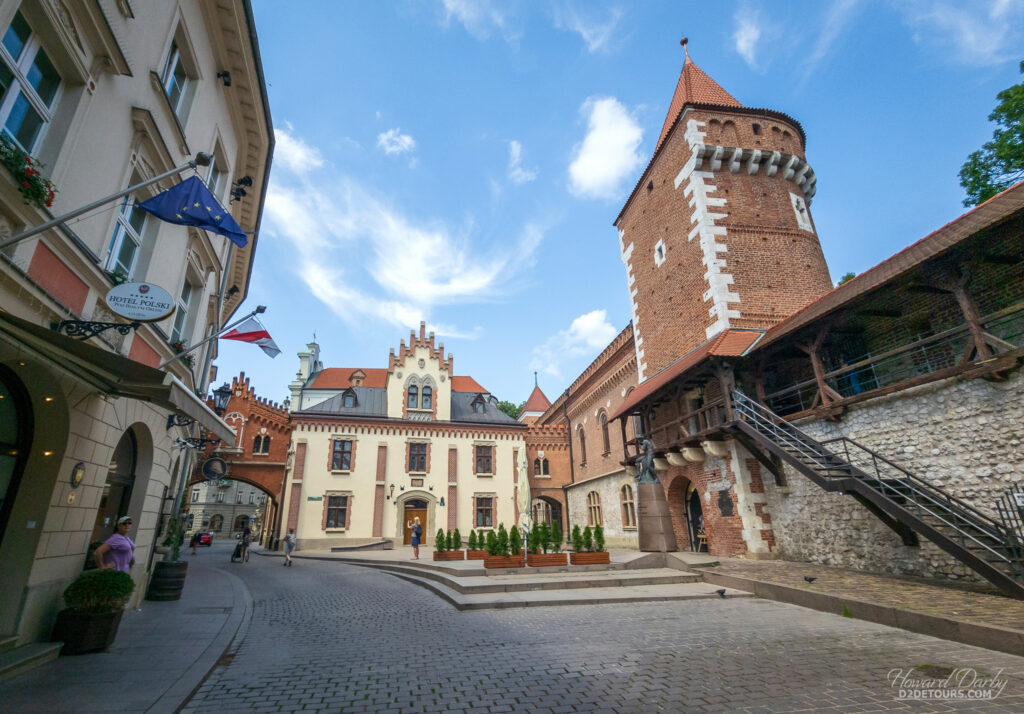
190, 203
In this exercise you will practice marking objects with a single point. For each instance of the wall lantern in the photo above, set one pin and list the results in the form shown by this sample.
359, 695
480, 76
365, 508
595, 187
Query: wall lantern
442, 501
392, 493
221, 395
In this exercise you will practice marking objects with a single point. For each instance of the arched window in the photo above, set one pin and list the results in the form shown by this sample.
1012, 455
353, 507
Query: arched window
536, 467
583, 445
217, 523
261, 445
425, 401
604, 433
544, 468
594, 509
628, 506
414, 396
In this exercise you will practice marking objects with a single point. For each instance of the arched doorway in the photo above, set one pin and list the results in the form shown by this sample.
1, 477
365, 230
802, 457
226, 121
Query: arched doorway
547, 510
414, 508
240, 524
695, 521
117, 491
15, 440
217, 523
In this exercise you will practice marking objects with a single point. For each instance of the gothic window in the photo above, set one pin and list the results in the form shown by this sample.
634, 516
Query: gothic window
604, 433
583, 445
425, 400
414, 397
536, 467
594, 509
628, 506
261, 445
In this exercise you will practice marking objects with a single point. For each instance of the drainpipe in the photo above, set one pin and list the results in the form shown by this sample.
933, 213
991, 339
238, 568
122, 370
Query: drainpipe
572, 463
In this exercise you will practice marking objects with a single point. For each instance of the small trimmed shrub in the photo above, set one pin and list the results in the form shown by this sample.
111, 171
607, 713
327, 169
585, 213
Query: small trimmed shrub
481, 540
545, 537
535, 544
599, 539
577, 539
472, 540
502, 540
555, 541
99, 591
492, 543
588, 539
456, 540
515, 541
440, 541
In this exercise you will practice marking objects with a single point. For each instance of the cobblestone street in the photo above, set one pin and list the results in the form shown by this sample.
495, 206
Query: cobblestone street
326, 636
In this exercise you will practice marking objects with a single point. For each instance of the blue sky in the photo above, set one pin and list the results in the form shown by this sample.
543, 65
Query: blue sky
461, 161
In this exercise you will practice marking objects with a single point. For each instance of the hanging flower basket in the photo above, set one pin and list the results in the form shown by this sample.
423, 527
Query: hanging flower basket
35, 189
180, 347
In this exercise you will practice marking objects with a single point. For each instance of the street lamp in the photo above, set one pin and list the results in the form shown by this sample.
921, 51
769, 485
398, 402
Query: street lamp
221, 395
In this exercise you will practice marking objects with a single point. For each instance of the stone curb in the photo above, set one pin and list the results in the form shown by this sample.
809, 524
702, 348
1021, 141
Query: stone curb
230, 636
1007, 640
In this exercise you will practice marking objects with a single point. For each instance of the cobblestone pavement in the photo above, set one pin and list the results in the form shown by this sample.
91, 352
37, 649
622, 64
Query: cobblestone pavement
332, 637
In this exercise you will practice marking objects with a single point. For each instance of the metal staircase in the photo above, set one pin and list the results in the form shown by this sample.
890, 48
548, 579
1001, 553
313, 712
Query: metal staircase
906, 503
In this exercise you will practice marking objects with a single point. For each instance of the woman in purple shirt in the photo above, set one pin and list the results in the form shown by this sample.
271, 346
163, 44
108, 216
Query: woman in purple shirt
118, 551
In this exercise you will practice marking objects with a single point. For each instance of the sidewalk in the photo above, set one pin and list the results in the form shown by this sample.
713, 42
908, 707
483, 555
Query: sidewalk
162, 652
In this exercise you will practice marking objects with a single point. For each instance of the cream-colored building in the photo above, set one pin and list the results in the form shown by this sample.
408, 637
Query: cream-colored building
102, 95
374, 448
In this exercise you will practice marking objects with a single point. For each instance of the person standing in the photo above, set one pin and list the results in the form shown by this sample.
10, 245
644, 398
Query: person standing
118, 551
289, 546
195, 541
417, 533
246, 540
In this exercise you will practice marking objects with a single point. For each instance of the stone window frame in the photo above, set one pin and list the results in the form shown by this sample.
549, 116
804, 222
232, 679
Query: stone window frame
493, 458
328, 495
261, 445
492, 508
330, 453
627, 500
541, 468
408, 456
20, 86
594, 517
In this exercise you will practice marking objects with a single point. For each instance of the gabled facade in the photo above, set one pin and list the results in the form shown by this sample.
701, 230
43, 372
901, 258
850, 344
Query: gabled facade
374, 448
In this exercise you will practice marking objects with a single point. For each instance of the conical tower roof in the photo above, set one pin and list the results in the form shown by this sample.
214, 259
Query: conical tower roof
694, 87
537, 402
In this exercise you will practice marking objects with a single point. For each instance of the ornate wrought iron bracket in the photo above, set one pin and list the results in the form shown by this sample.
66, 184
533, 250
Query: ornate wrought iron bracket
83, 329
195, 442
179, 420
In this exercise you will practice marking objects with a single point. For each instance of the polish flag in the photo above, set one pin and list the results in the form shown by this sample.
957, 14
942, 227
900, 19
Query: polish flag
253, 331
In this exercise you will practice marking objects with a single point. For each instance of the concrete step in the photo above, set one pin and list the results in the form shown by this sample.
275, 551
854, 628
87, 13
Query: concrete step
577, 596
21, 659
8, 643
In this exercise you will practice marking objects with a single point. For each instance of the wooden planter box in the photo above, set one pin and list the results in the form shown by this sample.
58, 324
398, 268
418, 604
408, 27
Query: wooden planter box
450, 555
476, 554
589, 558
546, 559
504, 561
83, 632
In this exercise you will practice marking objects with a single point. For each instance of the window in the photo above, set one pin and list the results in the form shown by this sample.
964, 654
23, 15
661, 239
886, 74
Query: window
125, 245
341, 455
348, 399
593, 509
425, 401
628, 506
478, 404
583, 446
337, 511
604, 433
417, 457
540, 467
29, 85
220, 496
252, 497
181, 315
216, 177
414, 394
261, 444
195, 495
175, 79
217, 522
484, 460
484, 512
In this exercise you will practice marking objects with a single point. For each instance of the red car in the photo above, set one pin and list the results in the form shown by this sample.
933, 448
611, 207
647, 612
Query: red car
206, 538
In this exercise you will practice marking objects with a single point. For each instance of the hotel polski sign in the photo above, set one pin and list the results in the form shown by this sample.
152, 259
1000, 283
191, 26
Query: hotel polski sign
140, 302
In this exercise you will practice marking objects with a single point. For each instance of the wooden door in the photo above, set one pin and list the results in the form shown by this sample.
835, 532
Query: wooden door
410, 514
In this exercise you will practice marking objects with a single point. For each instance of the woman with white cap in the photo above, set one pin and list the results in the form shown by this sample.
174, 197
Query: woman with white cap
118, 551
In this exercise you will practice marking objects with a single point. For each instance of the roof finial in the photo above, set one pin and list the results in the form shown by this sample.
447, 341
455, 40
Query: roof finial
534, 379
685, 52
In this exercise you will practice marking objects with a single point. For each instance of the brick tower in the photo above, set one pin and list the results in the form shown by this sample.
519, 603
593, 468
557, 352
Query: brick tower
718, 234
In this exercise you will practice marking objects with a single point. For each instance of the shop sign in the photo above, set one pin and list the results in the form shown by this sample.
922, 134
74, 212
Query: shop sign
214, 469
140, 302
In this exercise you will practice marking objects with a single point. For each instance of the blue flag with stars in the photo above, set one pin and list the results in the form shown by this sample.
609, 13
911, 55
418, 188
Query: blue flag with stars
190, 203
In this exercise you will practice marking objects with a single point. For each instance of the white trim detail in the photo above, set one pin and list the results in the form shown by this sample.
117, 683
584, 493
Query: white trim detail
659, 253
626, 253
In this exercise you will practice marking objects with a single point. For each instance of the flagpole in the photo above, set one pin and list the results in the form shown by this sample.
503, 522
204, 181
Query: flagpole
259, 309
201, 159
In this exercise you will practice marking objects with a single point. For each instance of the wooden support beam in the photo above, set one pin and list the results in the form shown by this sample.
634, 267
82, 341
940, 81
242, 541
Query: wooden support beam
825, 393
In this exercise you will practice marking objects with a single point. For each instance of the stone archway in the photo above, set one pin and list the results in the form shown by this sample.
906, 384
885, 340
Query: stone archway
411, 501
679, 491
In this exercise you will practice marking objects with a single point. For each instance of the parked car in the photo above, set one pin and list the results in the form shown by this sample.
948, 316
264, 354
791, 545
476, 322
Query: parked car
206, 538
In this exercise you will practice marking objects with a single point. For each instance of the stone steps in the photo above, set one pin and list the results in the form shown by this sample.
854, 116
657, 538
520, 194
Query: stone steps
16, 660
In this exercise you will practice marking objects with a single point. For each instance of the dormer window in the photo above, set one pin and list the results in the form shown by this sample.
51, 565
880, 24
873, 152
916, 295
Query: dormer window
426, 400
414, 397
478, 404
348, 398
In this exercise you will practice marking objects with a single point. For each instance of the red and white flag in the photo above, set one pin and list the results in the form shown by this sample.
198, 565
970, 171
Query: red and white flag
253, 331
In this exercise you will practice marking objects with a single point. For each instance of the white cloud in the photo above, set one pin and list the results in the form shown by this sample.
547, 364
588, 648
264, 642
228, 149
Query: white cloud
479, 17
586, 337
393, 141
747, 34
608, 153
295, 154
363, 258
979, 33
516, 172
838, 15
595, 33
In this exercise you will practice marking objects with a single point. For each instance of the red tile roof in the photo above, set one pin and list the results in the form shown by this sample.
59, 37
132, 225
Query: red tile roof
730, 343
339, 378
694, 87
466, 384
537, 402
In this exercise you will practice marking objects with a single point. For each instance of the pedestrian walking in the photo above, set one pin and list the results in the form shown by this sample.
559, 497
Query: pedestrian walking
117, 551
246, 540
417, 533
289, 546
195, 541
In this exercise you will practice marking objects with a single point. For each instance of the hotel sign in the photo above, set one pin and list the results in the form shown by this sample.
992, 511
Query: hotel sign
140, 302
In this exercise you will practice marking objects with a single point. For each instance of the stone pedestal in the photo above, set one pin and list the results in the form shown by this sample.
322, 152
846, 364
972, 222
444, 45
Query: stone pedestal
653, 519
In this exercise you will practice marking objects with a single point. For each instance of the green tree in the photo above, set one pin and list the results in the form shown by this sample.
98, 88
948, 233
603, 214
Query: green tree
515, 541
502, 540
511, 409
456, 540
440, 540
847, 277
492, 543
472, 540
599, 539
555, 541
577, 539
535, 544
545, 537
999, 163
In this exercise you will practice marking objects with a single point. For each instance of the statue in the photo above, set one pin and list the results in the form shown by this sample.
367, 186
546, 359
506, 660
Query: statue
645, 464
523, 494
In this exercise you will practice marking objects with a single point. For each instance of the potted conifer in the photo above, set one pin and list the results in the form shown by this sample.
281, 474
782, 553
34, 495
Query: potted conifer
589, 547
444, 546
498, 552
169, 574
95, 604
477, 546
541, 552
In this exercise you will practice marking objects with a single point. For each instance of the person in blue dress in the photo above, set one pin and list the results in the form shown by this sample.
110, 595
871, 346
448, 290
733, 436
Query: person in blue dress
417, 533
